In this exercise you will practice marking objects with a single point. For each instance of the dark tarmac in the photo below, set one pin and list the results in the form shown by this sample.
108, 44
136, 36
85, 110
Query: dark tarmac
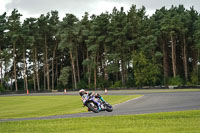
151, 102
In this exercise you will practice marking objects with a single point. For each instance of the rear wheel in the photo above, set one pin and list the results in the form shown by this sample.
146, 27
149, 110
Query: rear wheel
93, 107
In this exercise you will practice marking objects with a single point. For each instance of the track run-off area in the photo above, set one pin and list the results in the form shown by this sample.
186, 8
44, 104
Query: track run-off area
150, 102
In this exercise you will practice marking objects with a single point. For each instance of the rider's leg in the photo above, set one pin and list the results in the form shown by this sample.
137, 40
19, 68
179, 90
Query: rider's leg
98, 104
100, 97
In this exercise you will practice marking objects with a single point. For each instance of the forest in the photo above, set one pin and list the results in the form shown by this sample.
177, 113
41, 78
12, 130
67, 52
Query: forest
111, 50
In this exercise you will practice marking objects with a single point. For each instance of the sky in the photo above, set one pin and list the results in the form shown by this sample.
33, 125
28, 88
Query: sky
34, 8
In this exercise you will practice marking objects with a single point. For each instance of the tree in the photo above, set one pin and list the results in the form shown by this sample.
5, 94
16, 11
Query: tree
54, 21
146, 72
161, 32
96, 46
118, 32
99, 48
26, 41
68, 40
64, 77
197, 47
14, 27
2, 43
31, 32
43, 23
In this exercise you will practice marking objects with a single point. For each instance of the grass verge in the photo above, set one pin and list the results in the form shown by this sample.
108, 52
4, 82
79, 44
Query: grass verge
170, 122
156, 90
38, 106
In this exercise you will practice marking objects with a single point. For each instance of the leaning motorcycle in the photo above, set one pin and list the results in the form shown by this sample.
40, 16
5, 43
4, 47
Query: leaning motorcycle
91, 103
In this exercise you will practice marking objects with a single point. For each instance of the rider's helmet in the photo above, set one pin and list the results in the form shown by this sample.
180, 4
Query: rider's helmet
81, 92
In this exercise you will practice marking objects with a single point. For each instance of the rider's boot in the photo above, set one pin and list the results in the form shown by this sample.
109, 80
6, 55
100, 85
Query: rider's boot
99, 108
100, 97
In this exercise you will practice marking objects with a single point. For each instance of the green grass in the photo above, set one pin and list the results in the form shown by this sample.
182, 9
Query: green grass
172, 90
157, 90
170, 122
37, 106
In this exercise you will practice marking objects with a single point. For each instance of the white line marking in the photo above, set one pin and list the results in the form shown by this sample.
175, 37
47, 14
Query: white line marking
128, 100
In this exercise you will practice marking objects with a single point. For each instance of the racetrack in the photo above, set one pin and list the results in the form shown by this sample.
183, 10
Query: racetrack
149, 103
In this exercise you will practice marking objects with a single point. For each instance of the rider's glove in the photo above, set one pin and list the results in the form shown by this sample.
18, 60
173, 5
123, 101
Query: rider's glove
90, 93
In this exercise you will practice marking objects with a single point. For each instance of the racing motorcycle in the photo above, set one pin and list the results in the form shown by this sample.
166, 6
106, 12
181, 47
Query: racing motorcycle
91, 103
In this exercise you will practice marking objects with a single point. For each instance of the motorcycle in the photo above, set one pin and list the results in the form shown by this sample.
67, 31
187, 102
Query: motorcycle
92, 103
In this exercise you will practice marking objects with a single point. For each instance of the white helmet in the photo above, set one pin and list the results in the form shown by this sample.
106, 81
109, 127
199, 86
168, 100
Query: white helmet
81, 92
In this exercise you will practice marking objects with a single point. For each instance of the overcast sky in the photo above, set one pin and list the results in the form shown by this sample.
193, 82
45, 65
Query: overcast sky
34, 8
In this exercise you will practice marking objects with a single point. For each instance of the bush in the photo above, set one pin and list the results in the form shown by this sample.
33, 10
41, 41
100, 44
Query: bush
60, 86
194, 78
2, 89
175, 81
82, 84
117, 84
146, 71
102, 83
130, 82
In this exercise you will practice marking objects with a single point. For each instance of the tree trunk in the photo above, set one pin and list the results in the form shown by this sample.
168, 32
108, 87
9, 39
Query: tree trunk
105, 75
117, 73
14, 65
1, 67
34, 80
36, 69
185, 59
47, 64
173, 47
77, 64
25, 73
1, 71
95, 78
11, 83
165, 61
197, 64
126, 71
54, 54
56, 72
73, 69
123, 72
89, 75
95, 71
44, 67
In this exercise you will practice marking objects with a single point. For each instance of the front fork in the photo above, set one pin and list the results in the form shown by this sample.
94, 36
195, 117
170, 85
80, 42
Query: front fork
97, 103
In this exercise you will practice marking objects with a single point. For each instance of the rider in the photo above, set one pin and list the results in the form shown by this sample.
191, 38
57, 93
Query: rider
84, 93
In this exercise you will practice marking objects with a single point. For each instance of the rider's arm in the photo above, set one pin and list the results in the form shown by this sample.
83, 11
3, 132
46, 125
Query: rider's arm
90, 93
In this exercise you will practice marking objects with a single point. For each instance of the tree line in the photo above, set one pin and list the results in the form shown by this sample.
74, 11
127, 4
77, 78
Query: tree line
118, 49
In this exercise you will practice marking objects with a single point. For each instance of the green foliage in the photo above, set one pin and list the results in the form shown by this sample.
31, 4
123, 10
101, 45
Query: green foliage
194, 78
131, 81
98, 45
102, 83
176, 81
146, 72
64, 77
60, 86
82, 84
117, 84
2, 89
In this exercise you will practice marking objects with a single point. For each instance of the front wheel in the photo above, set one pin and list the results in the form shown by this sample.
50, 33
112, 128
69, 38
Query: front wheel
108, 107
93, 107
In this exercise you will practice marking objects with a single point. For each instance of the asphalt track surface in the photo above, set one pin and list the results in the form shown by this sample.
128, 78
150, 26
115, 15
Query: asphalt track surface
148, 103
